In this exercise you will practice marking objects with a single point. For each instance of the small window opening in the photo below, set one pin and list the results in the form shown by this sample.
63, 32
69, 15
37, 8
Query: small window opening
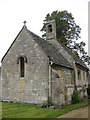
78, 74
87, 75
22, 66
83, 75
57, 76
49, 28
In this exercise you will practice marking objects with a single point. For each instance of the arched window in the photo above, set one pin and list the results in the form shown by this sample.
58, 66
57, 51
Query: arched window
79, 75
49, 28
22, 67
21, 61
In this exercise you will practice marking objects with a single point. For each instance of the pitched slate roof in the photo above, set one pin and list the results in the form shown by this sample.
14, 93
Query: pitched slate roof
54, 54
77, 59
51, 51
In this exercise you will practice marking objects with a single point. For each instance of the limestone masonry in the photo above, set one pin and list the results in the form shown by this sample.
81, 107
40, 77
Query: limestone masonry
34, 70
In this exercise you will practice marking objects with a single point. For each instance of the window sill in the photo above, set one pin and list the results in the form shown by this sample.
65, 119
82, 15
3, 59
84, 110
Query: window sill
21, 78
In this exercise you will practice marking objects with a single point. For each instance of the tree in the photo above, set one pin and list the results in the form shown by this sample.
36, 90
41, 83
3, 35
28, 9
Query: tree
66, 29
80, 49
67, 32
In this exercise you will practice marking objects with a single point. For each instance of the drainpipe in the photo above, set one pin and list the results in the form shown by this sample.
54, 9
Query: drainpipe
74, 74
50, 78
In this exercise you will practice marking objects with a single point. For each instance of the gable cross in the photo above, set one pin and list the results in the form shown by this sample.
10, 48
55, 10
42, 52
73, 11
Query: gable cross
24, 23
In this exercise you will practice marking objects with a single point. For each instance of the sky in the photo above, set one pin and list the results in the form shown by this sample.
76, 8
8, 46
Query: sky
14, 12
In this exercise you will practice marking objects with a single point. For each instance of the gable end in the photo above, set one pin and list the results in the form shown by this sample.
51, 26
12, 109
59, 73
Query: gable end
12, 44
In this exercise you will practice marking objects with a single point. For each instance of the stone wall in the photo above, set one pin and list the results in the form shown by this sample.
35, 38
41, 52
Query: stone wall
33, 87
62, 85
82, 81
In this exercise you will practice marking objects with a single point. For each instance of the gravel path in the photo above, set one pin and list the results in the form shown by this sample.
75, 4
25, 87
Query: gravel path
77, 113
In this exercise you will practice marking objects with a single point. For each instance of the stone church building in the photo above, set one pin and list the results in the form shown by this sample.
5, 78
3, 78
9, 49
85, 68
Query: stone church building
34, 69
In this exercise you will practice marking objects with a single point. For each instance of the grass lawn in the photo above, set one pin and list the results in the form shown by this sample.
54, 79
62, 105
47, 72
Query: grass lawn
20, 110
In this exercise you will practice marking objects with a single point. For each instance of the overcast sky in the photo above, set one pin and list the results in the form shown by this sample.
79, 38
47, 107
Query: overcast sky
14, 12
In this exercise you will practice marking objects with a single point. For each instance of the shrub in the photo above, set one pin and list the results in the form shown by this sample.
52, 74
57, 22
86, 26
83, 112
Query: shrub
48, 104
44, 105
75, 97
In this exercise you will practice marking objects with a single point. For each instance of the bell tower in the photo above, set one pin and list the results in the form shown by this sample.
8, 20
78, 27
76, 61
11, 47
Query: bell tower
51, 30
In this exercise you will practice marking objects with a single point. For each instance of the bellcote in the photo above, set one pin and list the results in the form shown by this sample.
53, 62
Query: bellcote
50, 30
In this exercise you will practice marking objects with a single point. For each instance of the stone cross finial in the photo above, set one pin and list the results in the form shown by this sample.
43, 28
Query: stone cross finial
24, 23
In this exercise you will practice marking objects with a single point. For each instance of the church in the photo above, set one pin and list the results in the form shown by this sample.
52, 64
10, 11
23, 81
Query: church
35, 70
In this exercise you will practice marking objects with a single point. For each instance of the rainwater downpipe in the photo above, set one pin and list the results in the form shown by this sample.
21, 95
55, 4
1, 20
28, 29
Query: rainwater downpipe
50, 78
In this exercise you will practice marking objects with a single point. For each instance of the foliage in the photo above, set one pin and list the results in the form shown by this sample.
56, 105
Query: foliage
49, 102
75, 97
45, 105
66, 29
79, 49
67, 32
20, 110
